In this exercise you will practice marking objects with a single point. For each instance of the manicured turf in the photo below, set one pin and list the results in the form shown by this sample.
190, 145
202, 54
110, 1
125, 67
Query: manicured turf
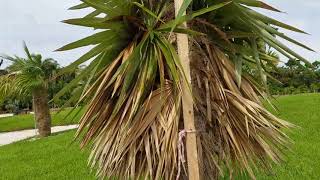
47, 158
21, 122
304, 160
53, 158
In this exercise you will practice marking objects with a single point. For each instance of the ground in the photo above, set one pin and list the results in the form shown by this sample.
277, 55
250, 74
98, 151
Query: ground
22, 122
55, 158
304, 160
48, 158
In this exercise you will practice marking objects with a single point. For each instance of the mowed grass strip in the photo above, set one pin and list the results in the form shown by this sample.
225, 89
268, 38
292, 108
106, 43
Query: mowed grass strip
303, 161
21, 122
47, 158
53, 158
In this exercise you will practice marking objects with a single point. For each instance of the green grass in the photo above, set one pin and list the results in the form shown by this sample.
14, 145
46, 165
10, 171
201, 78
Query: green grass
304, 160
21, 122
53, 158
48, 158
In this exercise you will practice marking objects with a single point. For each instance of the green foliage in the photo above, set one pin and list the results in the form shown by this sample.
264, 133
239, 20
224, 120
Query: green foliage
26, 74
295, 78
3, 72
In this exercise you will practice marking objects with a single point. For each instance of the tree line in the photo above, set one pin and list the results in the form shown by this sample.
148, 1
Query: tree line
295, 78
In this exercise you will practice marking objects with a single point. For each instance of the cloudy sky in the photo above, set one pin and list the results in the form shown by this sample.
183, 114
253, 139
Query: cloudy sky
38, 23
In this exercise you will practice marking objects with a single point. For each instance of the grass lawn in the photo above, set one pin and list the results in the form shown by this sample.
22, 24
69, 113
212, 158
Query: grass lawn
53, 158
48, 158
21, 122
304, 160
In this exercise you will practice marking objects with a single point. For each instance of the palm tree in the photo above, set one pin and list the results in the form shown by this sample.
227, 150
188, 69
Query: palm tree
27, 76
134, 86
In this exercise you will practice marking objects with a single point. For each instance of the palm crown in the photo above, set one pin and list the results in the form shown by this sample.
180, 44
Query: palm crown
134, 87
27, 74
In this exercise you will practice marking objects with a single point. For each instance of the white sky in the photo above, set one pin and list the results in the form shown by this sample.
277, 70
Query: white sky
305, 15
38, 23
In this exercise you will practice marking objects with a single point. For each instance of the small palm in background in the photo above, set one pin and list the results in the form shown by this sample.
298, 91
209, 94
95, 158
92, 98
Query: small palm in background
30, 76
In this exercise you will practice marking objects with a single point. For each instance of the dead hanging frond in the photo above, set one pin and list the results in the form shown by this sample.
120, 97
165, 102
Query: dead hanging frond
144, 146
240, 132
134, 111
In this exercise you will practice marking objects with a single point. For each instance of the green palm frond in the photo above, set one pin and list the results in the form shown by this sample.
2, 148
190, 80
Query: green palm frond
132, 87
6, 85
26, 74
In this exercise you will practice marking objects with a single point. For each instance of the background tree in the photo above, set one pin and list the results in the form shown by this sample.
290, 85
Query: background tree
295, 78
24, 103
133, 86
30, 76
57, 84
3, 72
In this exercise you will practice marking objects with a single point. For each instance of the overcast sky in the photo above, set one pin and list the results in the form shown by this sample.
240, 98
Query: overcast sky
38, 23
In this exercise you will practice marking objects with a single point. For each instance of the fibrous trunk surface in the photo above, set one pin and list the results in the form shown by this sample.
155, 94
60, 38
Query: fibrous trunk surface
41, 111
233, 128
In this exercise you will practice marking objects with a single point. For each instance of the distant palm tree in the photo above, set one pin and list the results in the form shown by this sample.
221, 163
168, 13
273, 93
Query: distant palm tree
30, 75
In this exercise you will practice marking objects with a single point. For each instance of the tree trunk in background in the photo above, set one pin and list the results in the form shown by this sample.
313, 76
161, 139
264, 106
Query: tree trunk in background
42, 111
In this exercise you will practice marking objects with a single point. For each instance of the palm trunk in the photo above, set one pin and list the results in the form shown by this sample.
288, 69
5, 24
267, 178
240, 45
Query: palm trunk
41, 111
